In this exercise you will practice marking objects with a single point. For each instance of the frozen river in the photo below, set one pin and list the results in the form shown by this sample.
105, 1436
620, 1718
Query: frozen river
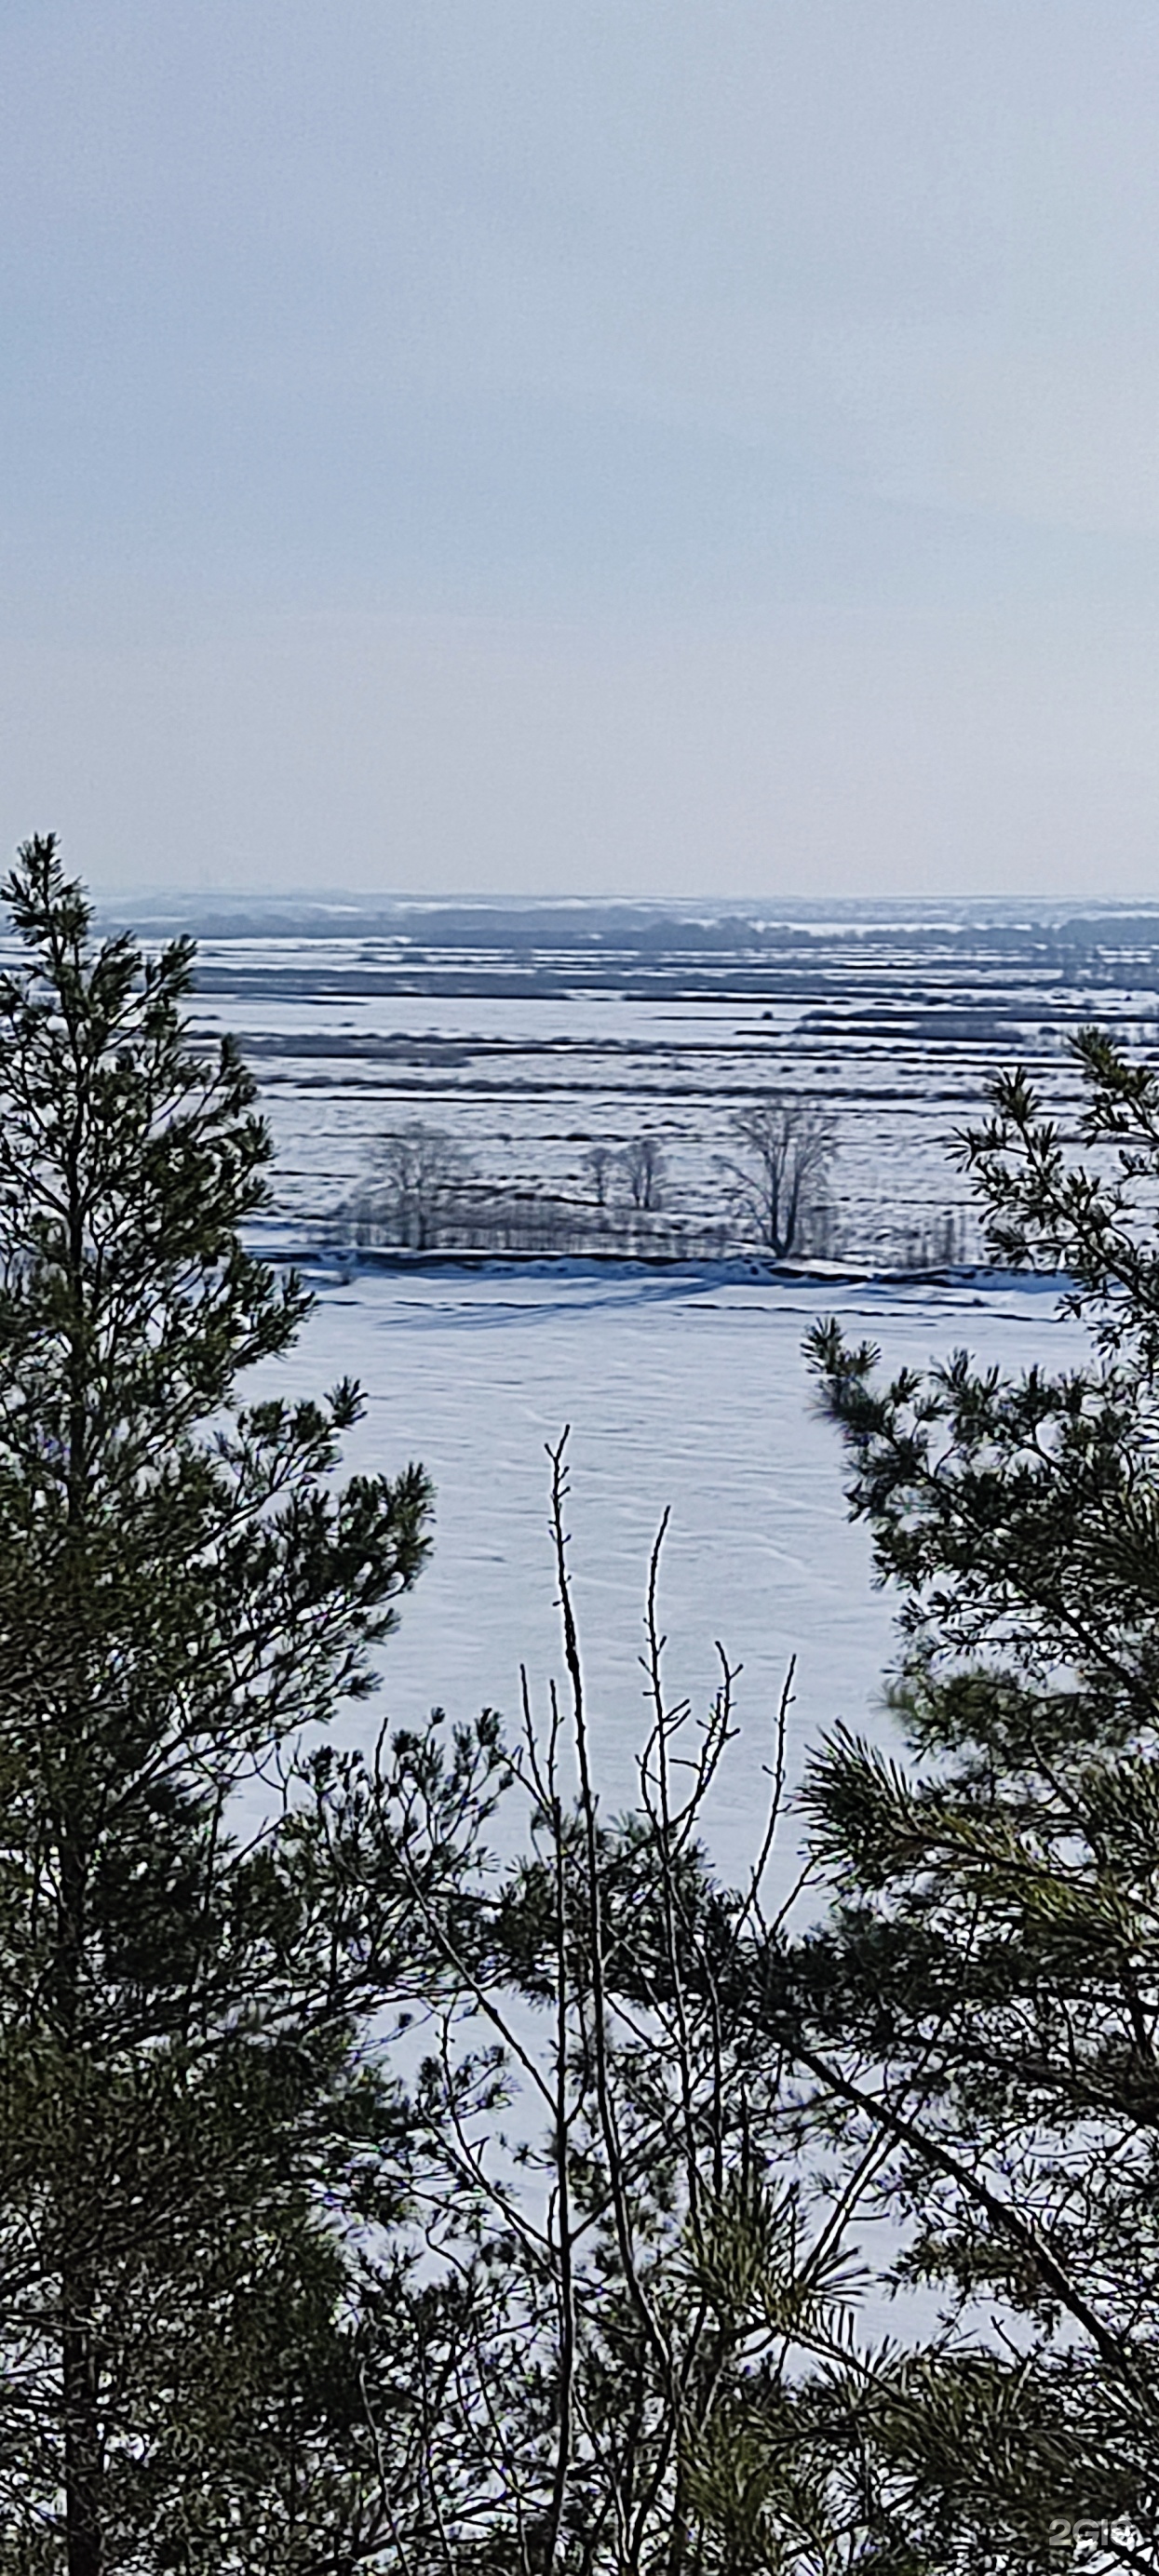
681, 1389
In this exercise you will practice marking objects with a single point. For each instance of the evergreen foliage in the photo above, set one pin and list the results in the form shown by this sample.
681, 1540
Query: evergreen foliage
183, 1591
985, 1999
577, 2297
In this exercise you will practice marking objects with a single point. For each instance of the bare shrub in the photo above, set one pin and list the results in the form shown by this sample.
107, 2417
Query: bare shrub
624, 2267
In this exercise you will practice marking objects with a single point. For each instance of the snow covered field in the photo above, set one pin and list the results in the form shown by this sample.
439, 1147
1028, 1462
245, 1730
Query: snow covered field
527, 1055
530, 1035
680, 1389
683, 1388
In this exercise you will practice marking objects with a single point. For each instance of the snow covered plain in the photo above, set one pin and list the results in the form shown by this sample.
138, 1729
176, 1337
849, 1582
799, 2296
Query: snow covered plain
529, 1035
681, 1388
528, 1053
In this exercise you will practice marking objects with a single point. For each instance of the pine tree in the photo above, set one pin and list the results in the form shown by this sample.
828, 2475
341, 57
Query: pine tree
185, 2110
985, 2002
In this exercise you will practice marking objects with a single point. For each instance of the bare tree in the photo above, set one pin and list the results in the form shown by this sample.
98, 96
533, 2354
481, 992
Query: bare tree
661, 2267
642, 1163
421, 1172
599, 1161
789, 1144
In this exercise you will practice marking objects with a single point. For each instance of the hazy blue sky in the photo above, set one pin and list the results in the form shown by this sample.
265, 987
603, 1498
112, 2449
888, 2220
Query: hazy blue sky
613, 446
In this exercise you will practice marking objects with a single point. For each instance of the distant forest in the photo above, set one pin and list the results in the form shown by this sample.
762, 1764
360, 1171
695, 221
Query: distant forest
1053, 932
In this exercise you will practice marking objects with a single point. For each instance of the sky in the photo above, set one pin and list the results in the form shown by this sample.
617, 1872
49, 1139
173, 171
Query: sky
702, 448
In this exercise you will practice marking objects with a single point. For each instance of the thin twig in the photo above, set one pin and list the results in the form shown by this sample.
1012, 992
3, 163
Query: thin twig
608, 2126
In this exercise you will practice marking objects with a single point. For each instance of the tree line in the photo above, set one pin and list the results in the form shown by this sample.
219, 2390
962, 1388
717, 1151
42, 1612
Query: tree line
425, 1192
370, 2203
